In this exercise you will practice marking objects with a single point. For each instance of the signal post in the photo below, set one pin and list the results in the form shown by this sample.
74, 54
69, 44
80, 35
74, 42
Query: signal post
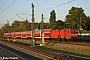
42, 33
33, 37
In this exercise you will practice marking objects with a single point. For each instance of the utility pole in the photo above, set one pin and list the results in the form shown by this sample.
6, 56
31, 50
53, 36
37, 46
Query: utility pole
42, 32
8, 29
33, 38
14, 34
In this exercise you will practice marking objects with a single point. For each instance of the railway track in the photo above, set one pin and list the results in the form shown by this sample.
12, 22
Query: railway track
7, 55
41, 53
53, 41
57, 41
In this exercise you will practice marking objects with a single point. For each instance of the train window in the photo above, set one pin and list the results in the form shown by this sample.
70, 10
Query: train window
28, 34
46, 33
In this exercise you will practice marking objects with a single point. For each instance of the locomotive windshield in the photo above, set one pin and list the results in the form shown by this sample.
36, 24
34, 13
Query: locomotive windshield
74, 31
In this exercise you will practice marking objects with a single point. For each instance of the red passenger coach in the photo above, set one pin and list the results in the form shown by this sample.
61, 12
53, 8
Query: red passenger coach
47, 33
37, 33
24, 35
13, 34
18, 34
29, 34
10, 35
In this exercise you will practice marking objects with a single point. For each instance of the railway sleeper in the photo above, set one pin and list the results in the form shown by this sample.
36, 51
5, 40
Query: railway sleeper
20, 58
51, 54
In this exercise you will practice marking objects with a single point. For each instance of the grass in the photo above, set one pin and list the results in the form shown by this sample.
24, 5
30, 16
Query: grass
61, 51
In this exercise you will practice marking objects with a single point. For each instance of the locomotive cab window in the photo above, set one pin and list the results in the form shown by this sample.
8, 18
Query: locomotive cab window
68, 31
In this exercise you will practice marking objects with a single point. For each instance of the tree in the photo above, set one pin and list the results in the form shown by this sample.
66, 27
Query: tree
52, 16
60, 24
21, 25
46, 25
15, 25
26, 26
76, 18
4, 29
88, 23
52, 19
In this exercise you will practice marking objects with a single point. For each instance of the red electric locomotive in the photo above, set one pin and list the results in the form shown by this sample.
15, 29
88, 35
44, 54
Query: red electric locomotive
54, 33
68, 34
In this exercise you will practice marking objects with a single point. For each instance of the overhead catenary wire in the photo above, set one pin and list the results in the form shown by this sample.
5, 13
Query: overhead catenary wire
7, 7
41, 3
23, 13
3, 4
20, 17
56, 6
53, 7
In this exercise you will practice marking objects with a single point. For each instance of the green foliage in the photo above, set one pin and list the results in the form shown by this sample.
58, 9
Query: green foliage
52, 16
53, 23
21, 25
15, 25
37, 26
76, 18
46, 25
4, 29
60, 24
52, 19
1, 33
88, 23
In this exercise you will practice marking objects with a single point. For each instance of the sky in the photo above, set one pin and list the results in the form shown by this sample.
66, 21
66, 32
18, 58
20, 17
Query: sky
9, 9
